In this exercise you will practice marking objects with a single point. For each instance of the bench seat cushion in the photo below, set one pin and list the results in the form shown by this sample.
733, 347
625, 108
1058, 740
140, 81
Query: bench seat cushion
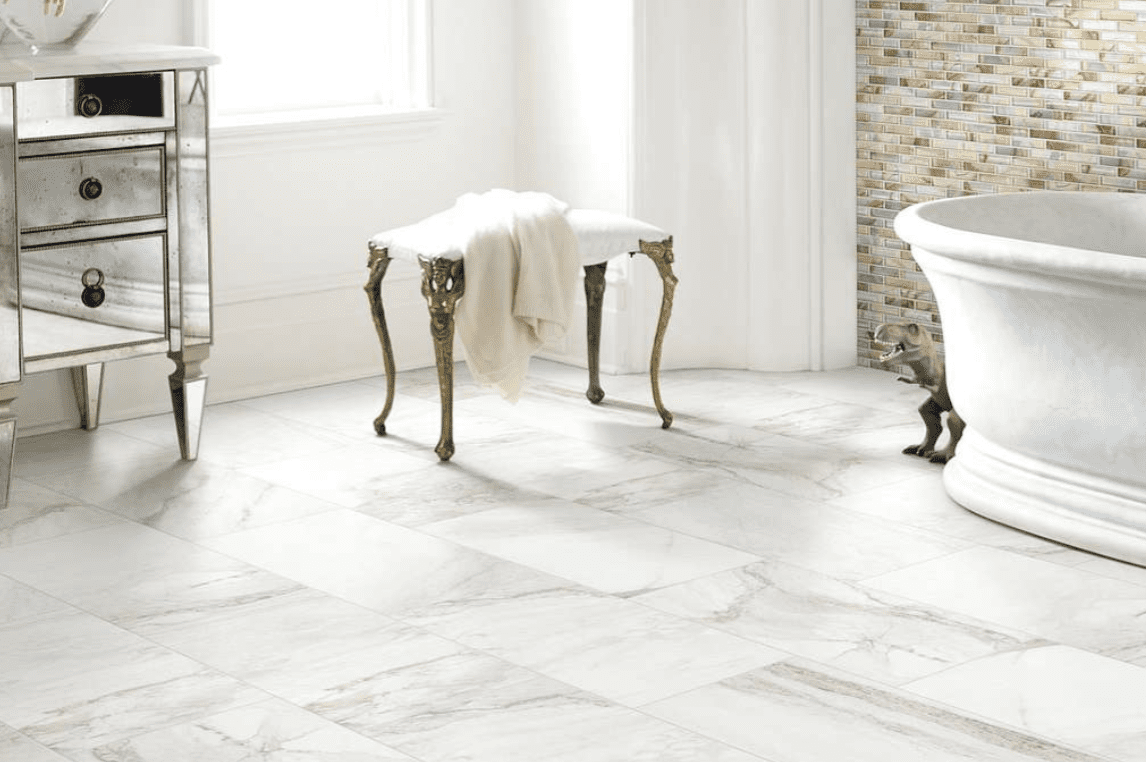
600, 237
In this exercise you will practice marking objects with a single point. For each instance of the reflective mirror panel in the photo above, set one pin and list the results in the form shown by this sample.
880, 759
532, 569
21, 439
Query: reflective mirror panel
10, 368
194, 237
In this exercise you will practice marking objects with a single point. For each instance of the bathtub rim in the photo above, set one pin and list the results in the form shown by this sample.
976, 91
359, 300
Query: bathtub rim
1056, 260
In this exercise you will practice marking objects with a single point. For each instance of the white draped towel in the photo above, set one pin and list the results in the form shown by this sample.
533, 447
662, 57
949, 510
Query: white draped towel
521, 264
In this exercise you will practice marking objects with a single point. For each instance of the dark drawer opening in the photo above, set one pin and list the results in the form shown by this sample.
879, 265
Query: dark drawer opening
120, 95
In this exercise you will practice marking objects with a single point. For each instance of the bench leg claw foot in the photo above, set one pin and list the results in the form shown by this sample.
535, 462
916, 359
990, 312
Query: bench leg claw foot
443, 283
660, 252
379, 262
594, 299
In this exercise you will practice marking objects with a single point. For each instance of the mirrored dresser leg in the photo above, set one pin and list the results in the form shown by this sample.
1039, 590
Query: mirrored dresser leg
188, 395
7, 438
87, 381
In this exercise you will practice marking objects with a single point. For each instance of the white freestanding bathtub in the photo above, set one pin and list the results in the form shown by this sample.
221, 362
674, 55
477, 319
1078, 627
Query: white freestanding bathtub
1042, 297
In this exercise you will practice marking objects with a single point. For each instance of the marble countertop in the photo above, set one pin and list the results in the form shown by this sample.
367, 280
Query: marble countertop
20, 65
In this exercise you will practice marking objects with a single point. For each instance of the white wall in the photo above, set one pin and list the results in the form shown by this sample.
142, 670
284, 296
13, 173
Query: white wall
574, 100
154, 21
291, 220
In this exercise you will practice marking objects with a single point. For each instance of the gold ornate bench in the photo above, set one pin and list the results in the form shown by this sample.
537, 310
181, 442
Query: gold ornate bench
601, 236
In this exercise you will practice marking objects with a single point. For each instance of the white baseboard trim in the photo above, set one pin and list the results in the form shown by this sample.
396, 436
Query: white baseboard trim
292, 287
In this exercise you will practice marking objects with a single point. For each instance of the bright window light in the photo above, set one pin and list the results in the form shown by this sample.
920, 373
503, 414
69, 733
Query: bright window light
329, 55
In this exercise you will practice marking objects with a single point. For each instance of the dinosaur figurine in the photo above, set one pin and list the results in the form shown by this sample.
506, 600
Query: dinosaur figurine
912, 346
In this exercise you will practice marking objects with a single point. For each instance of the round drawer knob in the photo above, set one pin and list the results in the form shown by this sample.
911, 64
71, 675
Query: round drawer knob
91, 188
93, 293
90, 105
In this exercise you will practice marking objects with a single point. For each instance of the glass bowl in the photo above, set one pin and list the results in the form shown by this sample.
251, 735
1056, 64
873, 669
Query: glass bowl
48, 24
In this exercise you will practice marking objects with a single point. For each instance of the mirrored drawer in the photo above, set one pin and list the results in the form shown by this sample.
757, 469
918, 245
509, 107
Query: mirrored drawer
74, 106
90, 188
87, 295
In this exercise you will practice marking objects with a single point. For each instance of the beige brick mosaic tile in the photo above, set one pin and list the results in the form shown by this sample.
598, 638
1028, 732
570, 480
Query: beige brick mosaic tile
955, 98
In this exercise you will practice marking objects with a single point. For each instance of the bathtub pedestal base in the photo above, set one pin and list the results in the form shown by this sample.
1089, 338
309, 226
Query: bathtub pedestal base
1071, 507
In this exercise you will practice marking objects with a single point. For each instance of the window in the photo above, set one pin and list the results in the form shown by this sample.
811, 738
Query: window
350, 57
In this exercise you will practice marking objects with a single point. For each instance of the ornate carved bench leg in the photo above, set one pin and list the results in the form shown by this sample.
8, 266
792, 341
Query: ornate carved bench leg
379, 262
7, 438
660, 252
594, 298
87, 382
188, 394
443, 283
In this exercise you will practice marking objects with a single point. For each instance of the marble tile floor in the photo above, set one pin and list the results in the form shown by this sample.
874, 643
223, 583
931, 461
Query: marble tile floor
768, 581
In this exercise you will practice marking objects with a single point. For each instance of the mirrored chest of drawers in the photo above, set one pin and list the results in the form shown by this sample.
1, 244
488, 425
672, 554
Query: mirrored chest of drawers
104, 223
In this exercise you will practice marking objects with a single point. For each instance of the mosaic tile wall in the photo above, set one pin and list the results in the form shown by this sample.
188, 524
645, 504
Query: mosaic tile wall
955, 98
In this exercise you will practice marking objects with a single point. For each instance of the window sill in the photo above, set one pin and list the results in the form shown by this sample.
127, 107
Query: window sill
251, 134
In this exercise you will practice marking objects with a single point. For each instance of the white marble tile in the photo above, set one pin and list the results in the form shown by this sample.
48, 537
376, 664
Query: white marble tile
876, 635
632, 496
1109, 567
1064, 604
273, 731
305, 646
721, 379
614, 648
711, 402
349, 476
71, 681
347, 408
386, 567
566, 413
38, 458
886, 437
1054, 691
188, 499
416, 498
236, 435
798, 468
857, 385
415, 425
604, 551
473, 708
19, 601
800, 532
17, 747
544, 372
797, 712
37, 513
559, 466
138, 578
923, 502
841, 421
200, 499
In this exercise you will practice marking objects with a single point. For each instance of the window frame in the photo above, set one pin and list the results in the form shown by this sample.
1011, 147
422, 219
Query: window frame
281, 130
